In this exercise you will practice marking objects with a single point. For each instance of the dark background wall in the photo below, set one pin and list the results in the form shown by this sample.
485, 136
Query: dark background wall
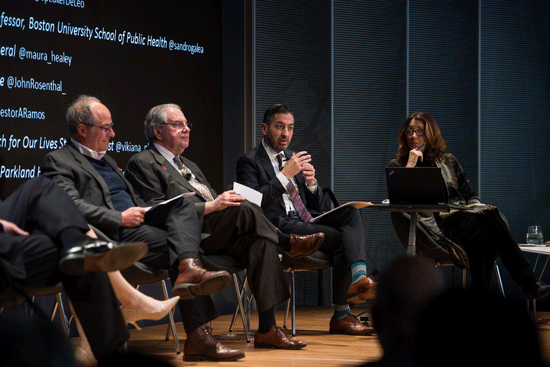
353, 70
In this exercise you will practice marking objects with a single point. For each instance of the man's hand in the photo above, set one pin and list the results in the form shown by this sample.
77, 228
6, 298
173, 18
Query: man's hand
132, 217
309, 175
12, 228
225, 200
297, 163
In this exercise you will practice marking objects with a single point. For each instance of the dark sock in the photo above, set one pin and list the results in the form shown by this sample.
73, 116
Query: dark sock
284, 241
266, 320
70, 237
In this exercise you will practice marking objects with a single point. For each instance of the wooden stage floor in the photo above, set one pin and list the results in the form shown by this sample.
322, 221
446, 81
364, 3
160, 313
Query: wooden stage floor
323, 349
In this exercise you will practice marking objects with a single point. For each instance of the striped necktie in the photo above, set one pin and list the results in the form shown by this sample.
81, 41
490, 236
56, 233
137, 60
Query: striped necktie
294, 196
189, 176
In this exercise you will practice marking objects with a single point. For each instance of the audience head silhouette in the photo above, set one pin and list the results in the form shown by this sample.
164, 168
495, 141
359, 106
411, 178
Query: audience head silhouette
404, 288
465, 326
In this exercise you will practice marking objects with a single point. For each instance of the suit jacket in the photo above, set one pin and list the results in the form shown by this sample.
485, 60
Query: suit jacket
156, 180
71, 170
255, 170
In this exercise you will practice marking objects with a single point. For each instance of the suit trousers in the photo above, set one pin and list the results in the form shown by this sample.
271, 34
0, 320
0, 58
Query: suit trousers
244, 233
344, 239
42, 208
41, 204
91, 294
172, 234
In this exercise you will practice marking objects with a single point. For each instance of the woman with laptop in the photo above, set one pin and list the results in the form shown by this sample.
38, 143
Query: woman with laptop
475, 234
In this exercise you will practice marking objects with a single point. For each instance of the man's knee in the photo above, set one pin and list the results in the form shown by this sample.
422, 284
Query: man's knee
184, 210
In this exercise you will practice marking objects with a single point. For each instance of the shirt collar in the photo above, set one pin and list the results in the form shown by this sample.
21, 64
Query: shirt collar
272, 155
166, 154
87, 151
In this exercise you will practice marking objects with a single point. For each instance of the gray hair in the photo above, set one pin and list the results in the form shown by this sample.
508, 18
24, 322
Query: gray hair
79, 112
156, 117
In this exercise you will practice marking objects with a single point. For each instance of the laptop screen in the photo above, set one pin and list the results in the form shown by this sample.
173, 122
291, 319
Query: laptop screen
419, 185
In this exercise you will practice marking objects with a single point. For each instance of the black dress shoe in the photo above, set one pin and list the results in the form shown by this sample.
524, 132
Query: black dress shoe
97, 255
536, 290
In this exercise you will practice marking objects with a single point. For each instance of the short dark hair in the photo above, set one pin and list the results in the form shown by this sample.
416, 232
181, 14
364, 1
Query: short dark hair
275, 109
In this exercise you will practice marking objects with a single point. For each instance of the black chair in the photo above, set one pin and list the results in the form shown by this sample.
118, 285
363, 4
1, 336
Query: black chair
139, 274
56, 291
319, 260
233, 267
10, 298
425, 245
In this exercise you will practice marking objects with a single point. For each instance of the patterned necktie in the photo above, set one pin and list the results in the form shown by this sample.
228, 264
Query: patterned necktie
294, 197
189, 176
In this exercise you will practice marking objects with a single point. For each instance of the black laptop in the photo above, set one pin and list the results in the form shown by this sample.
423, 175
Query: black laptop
416, 186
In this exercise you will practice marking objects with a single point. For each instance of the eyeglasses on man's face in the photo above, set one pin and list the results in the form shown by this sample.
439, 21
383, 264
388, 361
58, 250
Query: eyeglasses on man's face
104, 128
179, 125
411, 131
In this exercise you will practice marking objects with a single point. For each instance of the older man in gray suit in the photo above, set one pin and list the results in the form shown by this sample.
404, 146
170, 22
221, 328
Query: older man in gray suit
237, 227
172, 232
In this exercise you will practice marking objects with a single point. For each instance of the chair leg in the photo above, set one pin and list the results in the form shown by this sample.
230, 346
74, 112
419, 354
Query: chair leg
453, 275
244, 309
293, 301
291, 288
62, 315
171, 325
499, 280
293, 295
237, 310
240, 308
286, 313
57, 306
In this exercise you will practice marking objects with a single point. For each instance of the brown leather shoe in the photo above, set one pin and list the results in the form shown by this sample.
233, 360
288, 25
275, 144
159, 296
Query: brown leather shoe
349, 325
276, 338
201, 345
193, 280
364, 289
305, 245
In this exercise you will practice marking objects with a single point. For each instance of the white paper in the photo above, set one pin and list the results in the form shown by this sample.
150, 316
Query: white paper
251, 195
169, 200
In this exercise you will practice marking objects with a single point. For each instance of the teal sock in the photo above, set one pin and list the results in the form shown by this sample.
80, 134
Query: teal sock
341, 311
358, 271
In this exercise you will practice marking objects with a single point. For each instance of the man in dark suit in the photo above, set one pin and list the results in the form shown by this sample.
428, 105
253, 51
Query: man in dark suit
237, 227
43, 241
291, 197
172, 231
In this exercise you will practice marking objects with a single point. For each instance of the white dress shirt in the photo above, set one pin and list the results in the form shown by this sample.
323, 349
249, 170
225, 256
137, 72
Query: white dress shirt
87, 151
272, 155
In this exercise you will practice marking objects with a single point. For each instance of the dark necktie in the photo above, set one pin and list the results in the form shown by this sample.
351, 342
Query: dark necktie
294, 196
201, 188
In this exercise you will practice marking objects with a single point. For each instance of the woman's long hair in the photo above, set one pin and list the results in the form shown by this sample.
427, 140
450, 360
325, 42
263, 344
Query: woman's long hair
434, 147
